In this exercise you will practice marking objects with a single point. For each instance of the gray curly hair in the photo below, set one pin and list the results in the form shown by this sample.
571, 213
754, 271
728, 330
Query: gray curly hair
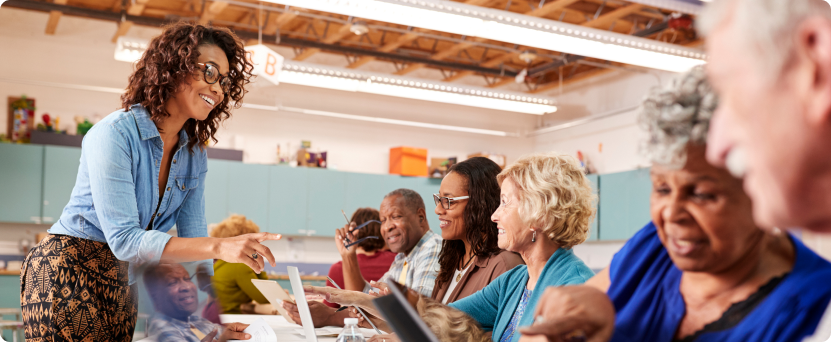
677, 116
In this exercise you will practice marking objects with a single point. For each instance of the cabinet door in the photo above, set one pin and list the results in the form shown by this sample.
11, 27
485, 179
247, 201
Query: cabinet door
288, 200
593, 232
60, 169
248, 192
624, 203
327, 197
216, 191
21, 183
365, 190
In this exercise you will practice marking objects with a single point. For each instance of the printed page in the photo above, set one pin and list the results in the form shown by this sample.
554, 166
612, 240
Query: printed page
260, 332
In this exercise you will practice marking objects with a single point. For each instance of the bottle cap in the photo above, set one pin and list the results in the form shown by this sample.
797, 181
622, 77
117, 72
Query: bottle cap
347, 321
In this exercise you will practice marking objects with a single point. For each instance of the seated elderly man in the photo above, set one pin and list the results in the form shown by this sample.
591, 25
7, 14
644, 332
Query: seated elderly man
702, 270
405, 229
174, 297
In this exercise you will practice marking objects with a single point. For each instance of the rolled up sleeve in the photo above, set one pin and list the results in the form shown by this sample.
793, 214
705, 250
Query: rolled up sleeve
114, 196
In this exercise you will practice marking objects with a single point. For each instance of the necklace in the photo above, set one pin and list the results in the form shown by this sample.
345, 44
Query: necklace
459, 276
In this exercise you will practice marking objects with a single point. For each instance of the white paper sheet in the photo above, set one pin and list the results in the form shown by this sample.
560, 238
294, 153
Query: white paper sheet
260, 332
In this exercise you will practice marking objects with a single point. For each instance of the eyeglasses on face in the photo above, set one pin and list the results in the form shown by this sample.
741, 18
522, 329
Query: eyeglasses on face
447, 201
211, 75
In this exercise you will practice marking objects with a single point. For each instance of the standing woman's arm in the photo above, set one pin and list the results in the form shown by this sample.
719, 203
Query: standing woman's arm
114, 195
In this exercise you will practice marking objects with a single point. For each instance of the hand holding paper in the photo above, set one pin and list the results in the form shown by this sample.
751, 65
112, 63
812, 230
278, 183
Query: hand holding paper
260, 331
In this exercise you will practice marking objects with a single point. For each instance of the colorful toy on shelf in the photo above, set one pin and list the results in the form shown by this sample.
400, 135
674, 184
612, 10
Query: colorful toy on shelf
83, 125
21, 119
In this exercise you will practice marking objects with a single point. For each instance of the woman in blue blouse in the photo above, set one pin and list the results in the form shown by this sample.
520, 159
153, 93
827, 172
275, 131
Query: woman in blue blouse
142, 171
702, 270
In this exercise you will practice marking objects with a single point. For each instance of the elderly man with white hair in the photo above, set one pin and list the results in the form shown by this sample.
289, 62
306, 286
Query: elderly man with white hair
770, 62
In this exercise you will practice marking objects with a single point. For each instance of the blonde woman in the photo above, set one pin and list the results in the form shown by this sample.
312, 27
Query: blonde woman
232, 281
546, 206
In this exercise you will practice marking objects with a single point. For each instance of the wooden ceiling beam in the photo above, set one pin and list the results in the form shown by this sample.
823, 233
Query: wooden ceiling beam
607, 19
389, 47
550, 7
488, 64
138, 7
484, 3
123, 27
212, 11
280, 21
502, 82
342, 32
54, 17
539, 12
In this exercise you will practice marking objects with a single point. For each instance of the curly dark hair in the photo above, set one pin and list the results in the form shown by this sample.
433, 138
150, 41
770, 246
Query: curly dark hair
480, 175
373, 229
171, 58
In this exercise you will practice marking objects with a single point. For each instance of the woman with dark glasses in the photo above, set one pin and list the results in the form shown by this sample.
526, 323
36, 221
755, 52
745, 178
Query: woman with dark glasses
142, 171
470, 258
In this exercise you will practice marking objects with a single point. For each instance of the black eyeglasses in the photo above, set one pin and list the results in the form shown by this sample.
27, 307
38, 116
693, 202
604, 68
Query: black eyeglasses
447, 201
211, 75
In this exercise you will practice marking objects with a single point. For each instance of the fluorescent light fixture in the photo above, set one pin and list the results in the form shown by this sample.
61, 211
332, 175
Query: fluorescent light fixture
487, 23
379, 120
320, 76
130, 49
272, 67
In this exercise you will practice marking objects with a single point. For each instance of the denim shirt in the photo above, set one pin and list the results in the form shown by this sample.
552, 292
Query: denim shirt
117, 190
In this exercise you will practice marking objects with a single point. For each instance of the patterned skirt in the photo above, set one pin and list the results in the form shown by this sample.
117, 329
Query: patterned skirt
74, 289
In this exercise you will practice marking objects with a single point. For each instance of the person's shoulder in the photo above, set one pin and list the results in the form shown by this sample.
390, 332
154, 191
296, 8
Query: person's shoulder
339, 265
512, 274
506, 258
575, 271
643, 250
809, 270
118, 123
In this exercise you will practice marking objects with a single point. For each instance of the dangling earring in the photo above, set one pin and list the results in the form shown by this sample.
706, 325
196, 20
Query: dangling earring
534, 236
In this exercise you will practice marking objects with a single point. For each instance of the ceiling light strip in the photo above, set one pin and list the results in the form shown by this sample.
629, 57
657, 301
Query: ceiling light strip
475, 21
379, 120
316, 75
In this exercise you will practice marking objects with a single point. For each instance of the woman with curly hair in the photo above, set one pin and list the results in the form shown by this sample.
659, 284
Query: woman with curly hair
142, 172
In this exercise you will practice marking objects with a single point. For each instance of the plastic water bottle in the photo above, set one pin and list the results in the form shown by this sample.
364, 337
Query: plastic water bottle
351, 332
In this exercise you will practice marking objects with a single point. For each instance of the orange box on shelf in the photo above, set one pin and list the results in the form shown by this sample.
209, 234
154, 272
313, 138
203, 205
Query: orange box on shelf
408, 161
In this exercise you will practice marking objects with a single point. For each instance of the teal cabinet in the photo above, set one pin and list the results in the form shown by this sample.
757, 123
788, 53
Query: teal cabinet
366, 190
216, 190
624, 203
10, 288
593, 229
60, 169
21, 183
248, 192
288, 200
327, 197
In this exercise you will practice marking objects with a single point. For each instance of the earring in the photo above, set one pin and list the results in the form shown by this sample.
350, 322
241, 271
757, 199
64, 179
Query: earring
534, 236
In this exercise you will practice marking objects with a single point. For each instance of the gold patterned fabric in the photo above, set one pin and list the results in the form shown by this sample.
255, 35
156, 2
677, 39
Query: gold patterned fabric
74, 289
